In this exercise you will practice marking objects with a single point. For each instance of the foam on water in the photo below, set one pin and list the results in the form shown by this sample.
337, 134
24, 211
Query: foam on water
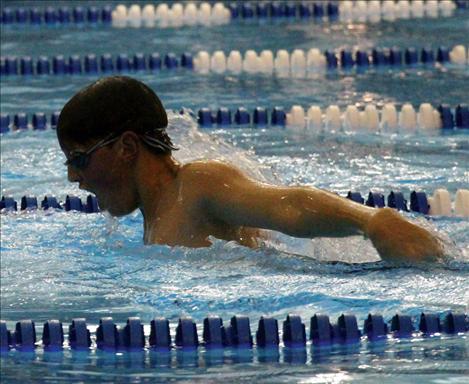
194, 144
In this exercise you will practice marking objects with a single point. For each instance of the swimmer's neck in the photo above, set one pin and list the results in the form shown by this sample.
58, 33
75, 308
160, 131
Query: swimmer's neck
155, 178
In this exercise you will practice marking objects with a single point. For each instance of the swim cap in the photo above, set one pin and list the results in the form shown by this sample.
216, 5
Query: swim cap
113, 105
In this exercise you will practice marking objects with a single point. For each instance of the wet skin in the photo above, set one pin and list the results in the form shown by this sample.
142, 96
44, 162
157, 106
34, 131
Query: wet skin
185, 204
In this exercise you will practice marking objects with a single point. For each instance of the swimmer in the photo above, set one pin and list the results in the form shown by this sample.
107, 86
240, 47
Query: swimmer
113, 134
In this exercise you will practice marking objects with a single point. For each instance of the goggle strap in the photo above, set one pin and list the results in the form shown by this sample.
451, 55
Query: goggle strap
156, 143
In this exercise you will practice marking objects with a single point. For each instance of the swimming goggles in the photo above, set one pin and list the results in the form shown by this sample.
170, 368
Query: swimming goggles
80, 159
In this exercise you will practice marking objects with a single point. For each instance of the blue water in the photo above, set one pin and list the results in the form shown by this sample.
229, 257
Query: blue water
64, 265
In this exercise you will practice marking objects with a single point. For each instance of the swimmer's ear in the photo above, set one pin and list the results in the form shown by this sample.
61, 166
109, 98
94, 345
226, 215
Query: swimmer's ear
128, 145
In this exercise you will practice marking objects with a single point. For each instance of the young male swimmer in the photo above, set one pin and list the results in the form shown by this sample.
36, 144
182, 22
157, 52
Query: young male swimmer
113, 135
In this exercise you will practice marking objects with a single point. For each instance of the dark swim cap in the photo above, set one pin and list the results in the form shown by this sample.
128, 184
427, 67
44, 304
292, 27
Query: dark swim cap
113, 105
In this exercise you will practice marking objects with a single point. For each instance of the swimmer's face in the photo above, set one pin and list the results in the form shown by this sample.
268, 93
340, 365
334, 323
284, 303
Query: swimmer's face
106, 173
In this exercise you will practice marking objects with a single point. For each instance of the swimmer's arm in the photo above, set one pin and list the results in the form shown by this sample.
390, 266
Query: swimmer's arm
296, 211
311, 212
233, 198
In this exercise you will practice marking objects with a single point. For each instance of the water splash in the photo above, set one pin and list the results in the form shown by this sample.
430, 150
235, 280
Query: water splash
195, 145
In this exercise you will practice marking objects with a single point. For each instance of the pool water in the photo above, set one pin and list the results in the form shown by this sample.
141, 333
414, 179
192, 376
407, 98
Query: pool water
58, 265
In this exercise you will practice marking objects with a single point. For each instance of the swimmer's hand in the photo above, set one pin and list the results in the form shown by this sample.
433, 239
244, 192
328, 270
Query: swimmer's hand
398, 239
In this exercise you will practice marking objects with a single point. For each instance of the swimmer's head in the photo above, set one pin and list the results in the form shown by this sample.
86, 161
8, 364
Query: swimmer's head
110, 131
111, 106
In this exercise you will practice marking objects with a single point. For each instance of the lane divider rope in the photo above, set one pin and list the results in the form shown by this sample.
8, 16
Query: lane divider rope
366, 118
439, 204
131, 336
177, 14
359, 118
298, 63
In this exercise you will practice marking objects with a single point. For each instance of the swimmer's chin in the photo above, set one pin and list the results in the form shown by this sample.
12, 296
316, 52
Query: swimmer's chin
115, 211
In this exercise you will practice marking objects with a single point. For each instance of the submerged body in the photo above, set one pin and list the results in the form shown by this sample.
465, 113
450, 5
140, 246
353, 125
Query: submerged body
127, 163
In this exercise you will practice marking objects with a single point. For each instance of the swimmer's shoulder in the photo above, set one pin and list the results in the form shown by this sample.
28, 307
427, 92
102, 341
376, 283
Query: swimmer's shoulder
209, 170
199, 181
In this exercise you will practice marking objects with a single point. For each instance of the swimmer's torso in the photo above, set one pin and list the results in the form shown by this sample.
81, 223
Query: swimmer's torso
184, 217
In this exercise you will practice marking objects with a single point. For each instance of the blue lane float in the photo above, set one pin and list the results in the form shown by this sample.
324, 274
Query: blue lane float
5, 336
320, 330
39, 121
131, 336
186, 334
429, 324
402, 326
396, 200
346, 331
462, 116
239, 332
8, 204
267, 332
73, 203
50, 202
214, 334
107, 335
294, 332
454, 323
56, 15
53, 335
160, 337
375, 199
30, 203
79, 336
374, 327
355, 196
21, 121
24, 336
242, 116
419, 202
